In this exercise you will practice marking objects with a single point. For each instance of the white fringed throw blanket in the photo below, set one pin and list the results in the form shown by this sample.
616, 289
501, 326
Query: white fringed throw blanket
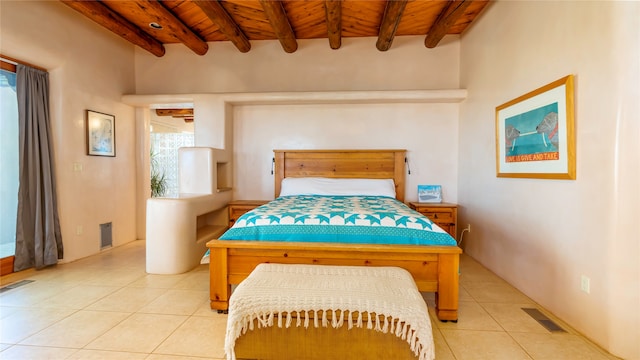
295, 295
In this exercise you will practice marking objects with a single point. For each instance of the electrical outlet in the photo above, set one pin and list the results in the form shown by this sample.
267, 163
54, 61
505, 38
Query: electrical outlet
585, 284
79, 230
469, 227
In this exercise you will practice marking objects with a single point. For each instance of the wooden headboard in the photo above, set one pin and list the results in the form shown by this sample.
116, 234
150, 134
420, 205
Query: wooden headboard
362, 164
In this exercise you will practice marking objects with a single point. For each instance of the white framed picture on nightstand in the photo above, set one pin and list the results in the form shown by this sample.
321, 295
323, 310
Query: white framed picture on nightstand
430, 193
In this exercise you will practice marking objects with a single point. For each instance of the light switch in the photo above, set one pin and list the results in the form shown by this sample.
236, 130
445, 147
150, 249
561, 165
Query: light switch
77, 167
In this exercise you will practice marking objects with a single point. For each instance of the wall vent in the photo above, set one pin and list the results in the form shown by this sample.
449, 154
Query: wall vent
106, 239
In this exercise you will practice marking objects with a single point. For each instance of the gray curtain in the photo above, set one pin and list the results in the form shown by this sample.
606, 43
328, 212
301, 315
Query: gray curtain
38, 238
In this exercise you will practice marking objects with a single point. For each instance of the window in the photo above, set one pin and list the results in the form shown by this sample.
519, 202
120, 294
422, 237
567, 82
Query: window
8, 159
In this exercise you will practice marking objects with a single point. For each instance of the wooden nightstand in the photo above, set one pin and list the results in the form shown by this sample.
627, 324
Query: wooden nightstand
444, 215
239, 207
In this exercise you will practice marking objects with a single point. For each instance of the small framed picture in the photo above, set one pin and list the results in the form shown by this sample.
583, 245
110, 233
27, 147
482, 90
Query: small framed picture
430, 193
101, 134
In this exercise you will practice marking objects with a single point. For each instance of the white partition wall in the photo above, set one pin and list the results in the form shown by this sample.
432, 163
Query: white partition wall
179, 227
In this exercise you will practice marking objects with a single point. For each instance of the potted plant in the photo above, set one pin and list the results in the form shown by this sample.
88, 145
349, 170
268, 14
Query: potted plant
158, 179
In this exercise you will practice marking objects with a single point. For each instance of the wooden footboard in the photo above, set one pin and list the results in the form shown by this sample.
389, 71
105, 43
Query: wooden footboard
434, 268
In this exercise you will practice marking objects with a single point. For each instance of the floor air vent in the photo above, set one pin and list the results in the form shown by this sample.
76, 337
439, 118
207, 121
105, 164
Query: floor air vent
543, 320
15, 285
106, 239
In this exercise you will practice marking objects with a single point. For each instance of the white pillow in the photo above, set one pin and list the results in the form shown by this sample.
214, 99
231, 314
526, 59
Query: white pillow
330, 186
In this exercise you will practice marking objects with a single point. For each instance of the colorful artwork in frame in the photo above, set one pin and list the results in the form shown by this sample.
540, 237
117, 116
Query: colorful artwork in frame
430, 193
535, 134
101, 134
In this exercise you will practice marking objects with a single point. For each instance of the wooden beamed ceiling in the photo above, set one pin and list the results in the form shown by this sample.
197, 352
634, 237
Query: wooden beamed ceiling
150, 24
184, 114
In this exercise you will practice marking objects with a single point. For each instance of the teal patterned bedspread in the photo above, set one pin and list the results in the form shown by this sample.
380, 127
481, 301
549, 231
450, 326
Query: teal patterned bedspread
344, 219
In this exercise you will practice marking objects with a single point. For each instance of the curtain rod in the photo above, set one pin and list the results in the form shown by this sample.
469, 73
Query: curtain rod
16, 62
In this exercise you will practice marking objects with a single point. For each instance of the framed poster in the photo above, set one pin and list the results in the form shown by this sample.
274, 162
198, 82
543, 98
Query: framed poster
535, 135
101, 134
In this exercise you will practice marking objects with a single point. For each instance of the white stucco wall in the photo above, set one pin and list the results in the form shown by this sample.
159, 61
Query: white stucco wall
543, 235
427, 130
357, 65
89, 68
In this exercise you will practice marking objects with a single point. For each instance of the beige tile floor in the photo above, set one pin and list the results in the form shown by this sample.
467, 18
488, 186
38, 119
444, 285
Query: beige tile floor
107, 307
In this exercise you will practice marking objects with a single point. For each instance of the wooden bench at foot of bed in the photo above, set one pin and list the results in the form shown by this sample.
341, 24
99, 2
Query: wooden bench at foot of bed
320, 312
434, 268
322, 343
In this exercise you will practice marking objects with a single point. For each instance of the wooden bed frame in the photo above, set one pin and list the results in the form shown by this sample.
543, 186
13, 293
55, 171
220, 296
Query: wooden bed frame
434, 268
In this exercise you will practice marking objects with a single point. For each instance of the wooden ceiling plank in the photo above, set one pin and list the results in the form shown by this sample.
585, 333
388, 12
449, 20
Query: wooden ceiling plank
219, 16
447, 18
174, 112
166, 18
107, 18
274, 10
297, 19
333, 10
390, 20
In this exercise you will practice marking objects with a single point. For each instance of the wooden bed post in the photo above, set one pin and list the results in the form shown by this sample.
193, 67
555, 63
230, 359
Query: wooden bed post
399, 174
219, 287
278, 159
447, 294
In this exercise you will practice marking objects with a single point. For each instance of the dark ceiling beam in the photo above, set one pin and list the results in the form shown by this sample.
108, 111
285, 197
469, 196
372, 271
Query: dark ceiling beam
333, 11
174, 26
216, 13
107, 18
447, 18
274, 10
389, 25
